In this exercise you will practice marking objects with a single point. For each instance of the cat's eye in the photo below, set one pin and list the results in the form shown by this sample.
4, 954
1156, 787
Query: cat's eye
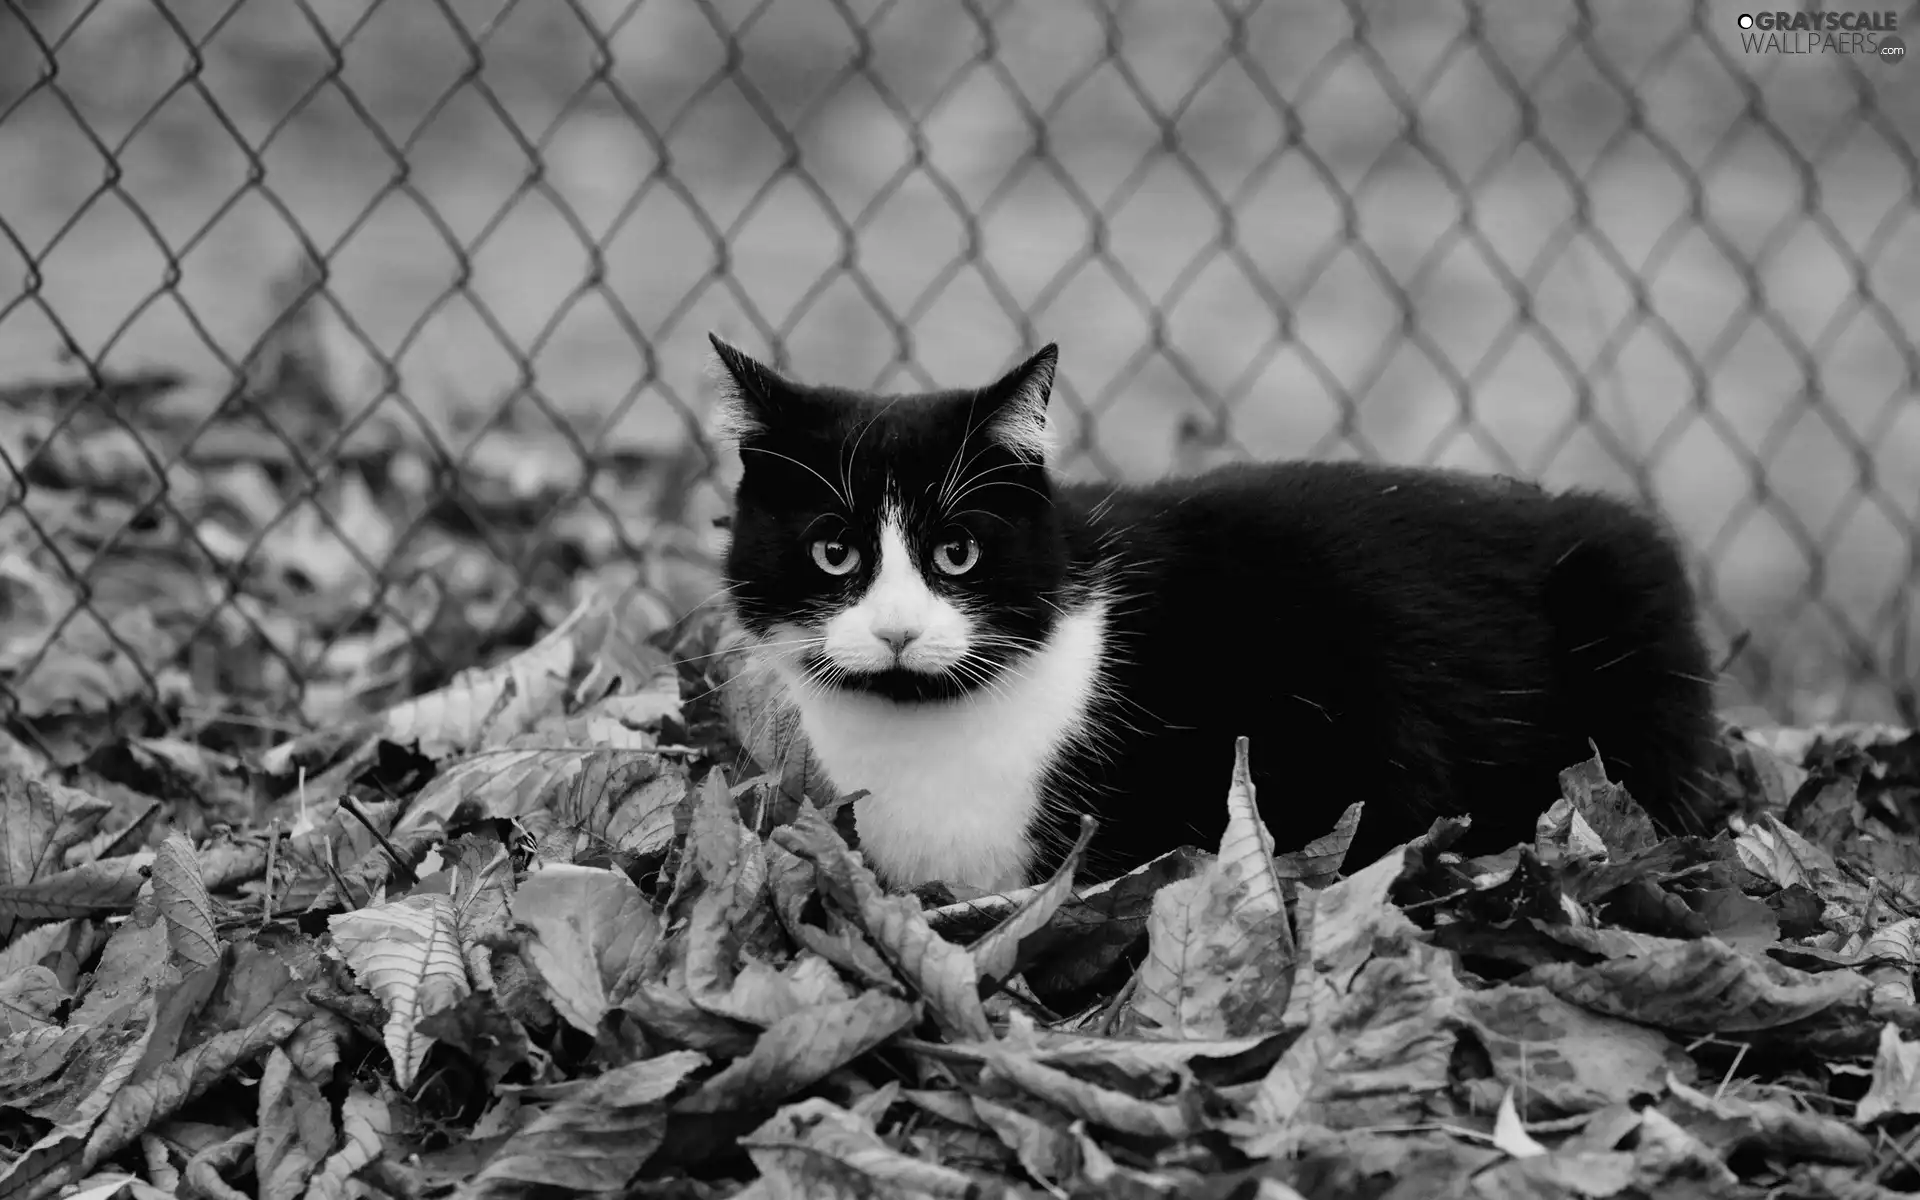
835, 558
956, 557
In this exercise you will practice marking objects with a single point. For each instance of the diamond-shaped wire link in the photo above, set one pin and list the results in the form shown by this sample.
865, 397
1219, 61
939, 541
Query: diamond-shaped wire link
1602, 245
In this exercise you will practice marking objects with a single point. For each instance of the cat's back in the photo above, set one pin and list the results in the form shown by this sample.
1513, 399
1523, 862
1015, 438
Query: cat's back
1358, 584
1344, 525
1433, 639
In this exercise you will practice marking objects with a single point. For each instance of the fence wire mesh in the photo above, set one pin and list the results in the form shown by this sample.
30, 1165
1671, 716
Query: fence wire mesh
340, 339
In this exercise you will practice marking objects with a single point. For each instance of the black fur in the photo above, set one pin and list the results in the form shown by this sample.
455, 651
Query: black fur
1429, 642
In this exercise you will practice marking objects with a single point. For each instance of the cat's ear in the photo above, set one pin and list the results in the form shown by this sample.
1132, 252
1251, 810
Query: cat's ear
1019, 403
751, 394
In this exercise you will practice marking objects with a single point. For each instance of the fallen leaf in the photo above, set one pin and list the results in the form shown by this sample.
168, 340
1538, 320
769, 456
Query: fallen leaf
1731, 1124
91, 889
1220, 952
1046, 1149
1318, 863
184, 904
800, 1049
1702, 986
1615, 817
1512, 1136
1736, 918
595, 1139
408, 954
295, 1129
997, 954
1771, 850
1090, 1102
1666, 1151
1895, 1087
726, 873
1377, 1049
589, 926
1565, 1060
791, 879
818, 1148
39, 823
365, 1122
941, 972
136, 1107
1588, 1174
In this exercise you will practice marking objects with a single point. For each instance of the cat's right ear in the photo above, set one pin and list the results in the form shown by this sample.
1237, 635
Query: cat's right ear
1018, 400
750, 393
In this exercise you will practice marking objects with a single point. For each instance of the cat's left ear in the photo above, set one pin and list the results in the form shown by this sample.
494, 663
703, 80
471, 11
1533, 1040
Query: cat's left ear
751, 394
1019, 402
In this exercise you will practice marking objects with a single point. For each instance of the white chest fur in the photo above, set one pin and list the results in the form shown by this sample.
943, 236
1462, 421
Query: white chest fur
955, 785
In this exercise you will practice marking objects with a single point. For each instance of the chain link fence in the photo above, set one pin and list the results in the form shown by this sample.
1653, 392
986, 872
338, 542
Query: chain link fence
340, 339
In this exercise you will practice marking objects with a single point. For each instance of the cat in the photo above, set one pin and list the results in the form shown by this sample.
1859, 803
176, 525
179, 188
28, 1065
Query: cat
988, 651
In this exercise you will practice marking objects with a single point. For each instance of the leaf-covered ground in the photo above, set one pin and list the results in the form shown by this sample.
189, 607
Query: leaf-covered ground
578, 920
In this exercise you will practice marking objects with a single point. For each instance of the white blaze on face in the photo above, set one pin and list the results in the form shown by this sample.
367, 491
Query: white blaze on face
900, 621
953, 785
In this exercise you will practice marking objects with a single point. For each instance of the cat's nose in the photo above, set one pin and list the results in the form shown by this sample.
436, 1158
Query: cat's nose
897, 639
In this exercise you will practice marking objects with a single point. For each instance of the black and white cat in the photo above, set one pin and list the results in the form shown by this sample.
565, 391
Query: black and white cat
987, 650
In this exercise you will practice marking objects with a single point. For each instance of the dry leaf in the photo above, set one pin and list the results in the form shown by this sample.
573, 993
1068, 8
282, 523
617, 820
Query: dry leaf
39, 823
997, 954
1701, 986
91, 889
940, 971
1377, 1052
1896, 1079
1730, 1124
1090, 1102
1512, 1136
1779, 855
495, 702
366, 1122
408, 954
799, 1050
589, 927
817, 1148
136, 1107
596, 1138
1563, 1059
1219, 947
184, 904
295, 1129
1609, 813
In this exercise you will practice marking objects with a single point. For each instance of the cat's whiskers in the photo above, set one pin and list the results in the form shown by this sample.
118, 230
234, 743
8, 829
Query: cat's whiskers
724, 589
757, 664
751, 648
958, 491
981, 512
1099, 511
847, 463
762, 720
813, 641
983, 644
990, 677
819, 677
973, 487
995, 682
955, 468
962, 477
1053, 604
844, 497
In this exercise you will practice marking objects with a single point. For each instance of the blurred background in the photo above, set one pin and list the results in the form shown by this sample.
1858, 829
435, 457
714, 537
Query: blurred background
341, 341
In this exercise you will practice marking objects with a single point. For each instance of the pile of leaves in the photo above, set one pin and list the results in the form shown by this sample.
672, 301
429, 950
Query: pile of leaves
208, 559
584, 923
